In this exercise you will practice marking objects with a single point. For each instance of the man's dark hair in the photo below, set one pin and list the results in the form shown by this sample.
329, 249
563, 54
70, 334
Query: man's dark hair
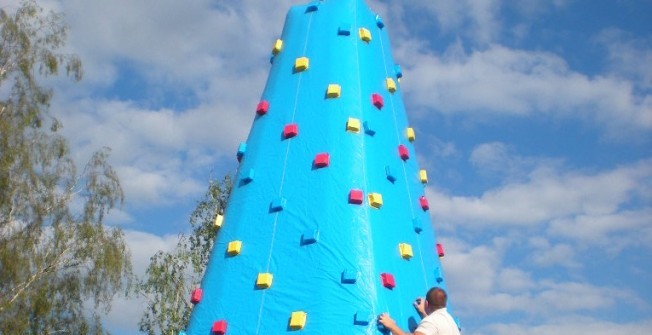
436, 298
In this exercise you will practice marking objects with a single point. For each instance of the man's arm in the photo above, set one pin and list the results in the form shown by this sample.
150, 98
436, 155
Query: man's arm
420, 305
390, 324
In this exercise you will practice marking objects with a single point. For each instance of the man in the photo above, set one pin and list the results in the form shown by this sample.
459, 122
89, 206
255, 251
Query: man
435, 317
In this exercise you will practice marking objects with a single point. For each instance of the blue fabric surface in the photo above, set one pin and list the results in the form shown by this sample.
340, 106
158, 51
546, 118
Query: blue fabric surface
326, 254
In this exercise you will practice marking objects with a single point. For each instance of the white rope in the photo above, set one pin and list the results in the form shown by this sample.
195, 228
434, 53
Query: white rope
280, 191
398, 140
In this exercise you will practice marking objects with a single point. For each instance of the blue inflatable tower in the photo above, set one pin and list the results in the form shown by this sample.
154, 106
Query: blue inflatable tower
327, 225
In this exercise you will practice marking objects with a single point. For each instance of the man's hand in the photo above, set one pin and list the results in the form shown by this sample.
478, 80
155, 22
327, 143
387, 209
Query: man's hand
390, 324
385, 320
420, 305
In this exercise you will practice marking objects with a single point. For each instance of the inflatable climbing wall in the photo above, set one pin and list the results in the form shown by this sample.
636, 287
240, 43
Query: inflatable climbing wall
327, 225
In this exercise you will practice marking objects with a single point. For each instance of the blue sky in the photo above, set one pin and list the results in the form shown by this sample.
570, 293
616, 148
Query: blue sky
533, 118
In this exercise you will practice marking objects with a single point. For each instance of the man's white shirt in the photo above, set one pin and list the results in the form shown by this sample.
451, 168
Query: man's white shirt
438, 323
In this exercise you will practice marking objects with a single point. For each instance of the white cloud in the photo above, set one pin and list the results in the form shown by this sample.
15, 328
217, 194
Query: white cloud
156, 152
616, 231
172, 48
481, 283
144, 245
126, 312
548, 195
628, 57
502, 81
497, 159
574, 325
479, 19
545, 254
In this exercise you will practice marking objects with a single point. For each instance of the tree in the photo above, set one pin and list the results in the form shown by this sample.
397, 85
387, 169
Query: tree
171, 276
59, 265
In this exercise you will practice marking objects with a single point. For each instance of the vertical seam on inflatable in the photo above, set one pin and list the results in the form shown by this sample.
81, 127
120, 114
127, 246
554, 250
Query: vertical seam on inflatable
287, 152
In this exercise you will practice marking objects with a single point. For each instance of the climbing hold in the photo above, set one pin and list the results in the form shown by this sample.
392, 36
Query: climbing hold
409, 133
219, 219
301, 64
375, 200
234, 247
424, 203
264, 280
290, 130
362, 318
248, 176
353, 125
365, 34
403, 152
379, 22
344, 29
416, 224
349, 276
440, 250
195, 296
369, 129
309, 237
398, 71
405, 250
278, 45
312, 7
242, 149
277, 205
391, 85
263, 107
377, 100
355, 197
389, 174
298, 320
322, 160
333, 91
387, 280
423, 176
219, 327
438, 276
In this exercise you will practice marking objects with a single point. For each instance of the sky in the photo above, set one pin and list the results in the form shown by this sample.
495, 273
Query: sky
533, 119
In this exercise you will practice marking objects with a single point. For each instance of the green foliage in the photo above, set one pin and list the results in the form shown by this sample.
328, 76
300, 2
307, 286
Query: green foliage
59, 265
171, 276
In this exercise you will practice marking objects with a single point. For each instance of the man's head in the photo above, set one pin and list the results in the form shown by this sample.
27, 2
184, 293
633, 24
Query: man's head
435, 299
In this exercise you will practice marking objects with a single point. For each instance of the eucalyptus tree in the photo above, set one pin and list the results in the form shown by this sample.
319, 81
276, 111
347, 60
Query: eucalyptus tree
60, 265
171, 276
